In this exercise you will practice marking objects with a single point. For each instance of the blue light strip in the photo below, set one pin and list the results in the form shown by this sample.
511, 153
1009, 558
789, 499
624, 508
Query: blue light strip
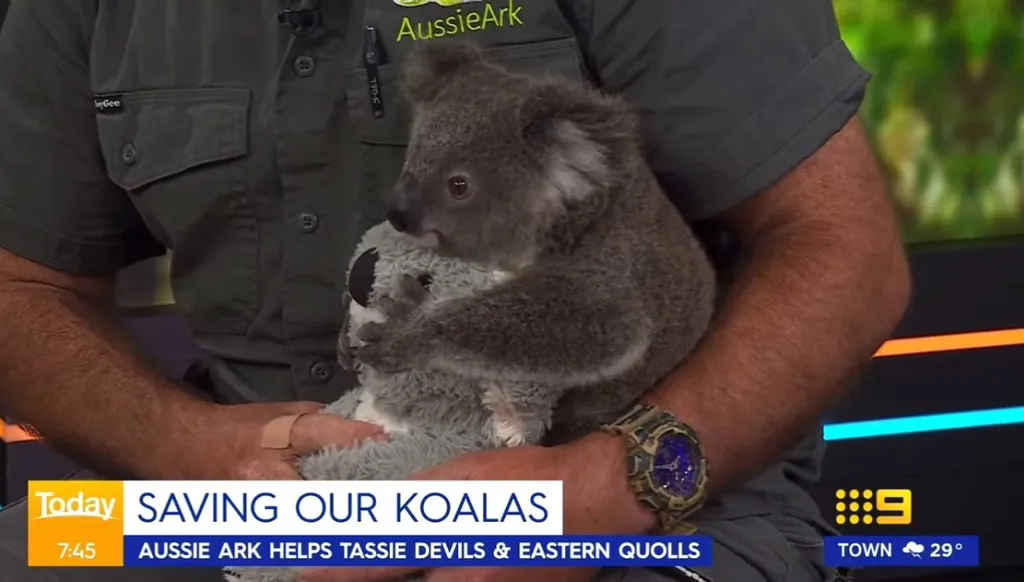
922, 424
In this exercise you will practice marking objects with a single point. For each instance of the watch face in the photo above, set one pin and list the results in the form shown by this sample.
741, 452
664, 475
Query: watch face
676, 466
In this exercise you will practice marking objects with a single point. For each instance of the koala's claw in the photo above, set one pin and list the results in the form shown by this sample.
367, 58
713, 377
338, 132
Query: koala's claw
389, 307
378, 349
381, 359
408, 296
372, 333
412, 291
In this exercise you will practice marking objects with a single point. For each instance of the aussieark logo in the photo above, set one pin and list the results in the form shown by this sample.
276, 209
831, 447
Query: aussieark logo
466, 17
414, 3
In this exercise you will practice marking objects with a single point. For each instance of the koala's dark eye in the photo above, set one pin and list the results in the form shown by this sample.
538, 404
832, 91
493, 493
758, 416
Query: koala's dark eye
458, 187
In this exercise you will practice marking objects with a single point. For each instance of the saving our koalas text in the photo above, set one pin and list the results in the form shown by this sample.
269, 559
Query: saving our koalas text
351, 507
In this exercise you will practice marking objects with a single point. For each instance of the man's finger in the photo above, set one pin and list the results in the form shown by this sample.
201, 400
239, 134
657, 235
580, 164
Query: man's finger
300, 407
270, 470
284, 474
312, 432
355, 574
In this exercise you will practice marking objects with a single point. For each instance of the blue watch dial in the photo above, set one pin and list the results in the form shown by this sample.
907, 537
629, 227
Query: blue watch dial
676, 467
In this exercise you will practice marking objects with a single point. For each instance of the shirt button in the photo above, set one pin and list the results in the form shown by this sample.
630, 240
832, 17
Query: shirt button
304, 66
128, 154
308, 221
321, 372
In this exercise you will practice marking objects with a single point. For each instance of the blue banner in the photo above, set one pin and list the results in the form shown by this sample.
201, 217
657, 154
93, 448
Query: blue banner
901, 551
426, 552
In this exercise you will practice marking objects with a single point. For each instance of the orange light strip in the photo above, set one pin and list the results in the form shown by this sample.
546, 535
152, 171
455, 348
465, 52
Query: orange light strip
12, 433
951, 342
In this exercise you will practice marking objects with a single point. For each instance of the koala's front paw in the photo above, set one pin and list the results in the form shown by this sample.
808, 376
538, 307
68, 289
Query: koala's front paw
390, 346
383, 348
408, 297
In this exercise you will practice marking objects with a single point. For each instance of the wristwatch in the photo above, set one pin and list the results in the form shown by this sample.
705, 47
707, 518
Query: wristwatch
668, 472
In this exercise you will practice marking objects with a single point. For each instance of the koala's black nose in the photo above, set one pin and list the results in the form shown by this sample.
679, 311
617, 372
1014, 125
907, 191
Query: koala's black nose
406, 218
405, 205
399, 220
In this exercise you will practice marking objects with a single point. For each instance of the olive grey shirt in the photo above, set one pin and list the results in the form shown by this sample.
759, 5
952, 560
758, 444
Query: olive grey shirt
207, 127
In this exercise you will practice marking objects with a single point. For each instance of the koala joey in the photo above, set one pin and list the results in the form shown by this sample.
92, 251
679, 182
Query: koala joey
604, 288
563, 284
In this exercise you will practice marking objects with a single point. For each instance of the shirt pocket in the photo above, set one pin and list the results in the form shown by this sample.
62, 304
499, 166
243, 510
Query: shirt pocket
180, 155
384, 136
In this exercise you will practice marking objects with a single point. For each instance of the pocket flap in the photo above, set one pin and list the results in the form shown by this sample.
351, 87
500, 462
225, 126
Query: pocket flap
555, 58
157, 134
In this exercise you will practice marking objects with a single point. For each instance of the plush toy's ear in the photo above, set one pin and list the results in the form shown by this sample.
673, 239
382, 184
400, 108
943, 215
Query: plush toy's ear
431, 64
361, 277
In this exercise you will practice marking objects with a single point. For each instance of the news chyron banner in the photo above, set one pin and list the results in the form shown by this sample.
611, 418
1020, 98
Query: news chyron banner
418, 524
323, 524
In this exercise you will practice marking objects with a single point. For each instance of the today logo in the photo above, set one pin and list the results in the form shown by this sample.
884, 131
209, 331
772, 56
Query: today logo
53, 506
75, 523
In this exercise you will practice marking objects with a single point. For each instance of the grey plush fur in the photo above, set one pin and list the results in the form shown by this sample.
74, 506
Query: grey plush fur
564, 284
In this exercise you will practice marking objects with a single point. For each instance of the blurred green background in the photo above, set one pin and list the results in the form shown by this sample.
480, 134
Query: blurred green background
945, 110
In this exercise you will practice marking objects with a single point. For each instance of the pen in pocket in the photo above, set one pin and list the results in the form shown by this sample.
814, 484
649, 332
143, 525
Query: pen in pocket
371, 59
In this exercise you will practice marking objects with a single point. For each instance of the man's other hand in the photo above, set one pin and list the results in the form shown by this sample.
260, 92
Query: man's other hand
235, 433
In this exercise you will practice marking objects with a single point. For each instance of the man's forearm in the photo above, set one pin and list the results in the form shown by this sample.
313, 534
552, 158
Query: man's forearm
66, 368
803, 316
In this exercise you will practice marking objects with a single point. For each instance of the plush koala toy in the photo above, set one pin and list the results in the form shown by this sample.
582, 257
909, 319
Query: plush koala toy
531, 283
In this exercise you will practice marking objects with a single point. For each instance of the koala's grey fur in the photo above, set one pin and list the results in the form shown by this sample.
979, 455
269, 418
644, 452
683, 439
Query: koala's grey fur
563, 287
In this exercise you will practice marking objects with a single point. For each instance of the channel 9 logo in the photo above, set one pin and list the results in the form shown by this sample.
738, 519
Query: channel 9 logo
879, 506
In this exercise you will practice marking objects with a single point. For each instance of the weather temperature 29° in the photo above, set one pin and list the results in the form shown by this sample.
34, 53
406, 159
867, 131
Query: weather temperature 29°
945, 549
901, 551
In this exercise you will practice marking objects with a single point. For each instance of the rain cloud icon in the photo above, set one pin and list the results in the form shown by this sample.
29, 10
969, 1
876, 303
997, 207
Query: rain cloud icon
914, 549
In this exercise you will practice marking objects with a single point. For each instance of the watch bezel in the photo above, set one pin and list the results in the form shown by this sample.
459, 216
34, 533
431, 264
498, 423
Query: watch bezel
644, 428
650, 446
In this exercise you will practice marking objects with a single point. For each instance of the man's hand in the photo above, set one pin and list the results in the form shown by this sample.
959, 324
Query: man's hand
235, 432
597, 500
98, 401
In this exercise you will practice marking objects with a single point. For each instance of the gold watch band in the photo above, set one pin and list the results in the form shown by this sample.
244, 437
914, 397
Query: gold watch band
638, 417
640, 428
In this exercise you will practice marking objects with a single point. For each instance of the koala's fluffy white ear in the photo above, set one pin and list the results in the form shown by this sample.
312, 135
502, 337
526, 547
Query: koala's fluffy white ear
606, 119
588, 135
432, 63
